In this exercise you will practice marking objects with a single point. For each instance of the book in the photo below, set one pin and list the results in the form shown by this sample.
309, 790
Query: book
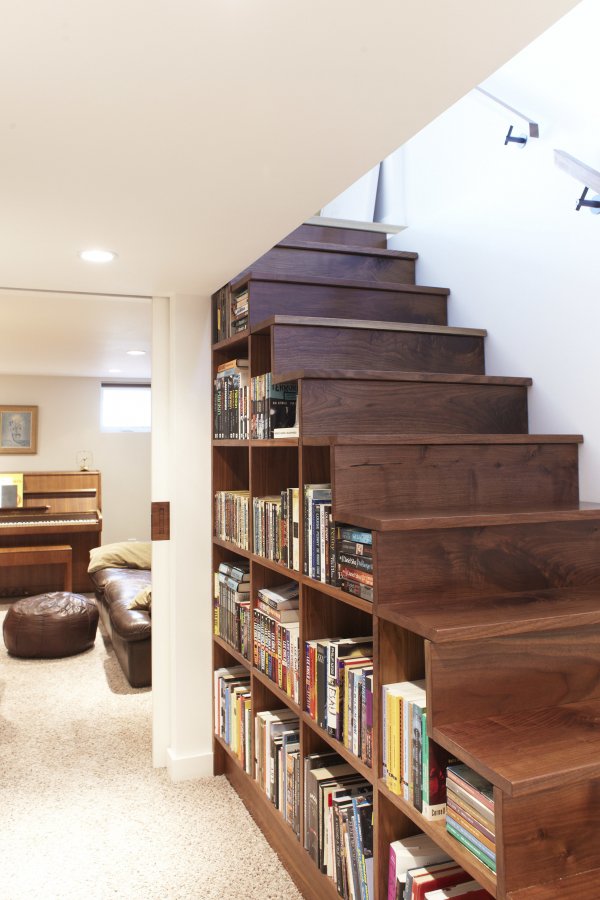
409, 853
238, 570
347, 533
482, 855
472, 782
292, 432
464, 800
314, 778
281, 596
233, 364
469, 890
340, 649
428, 878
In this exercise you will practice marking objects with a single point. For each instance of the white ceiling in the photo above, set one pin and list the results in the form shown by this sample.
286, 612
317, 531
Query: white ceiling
190, 136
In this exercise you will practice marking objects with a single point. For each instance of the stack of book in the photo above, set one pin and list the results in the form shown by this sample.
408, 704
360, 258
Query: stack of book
318, 530
414, 766
411, 853
470, 812
354, 561
338, 693
233, 712
273, 406
420, 870
231, 398
277, 761
338, 824
231, 517
232, 605
239, 311
276, 636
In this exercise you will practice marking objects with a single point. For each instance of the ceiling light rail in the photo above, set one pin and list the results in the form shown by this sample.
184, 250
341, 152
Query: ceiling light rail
534, 128
584, 174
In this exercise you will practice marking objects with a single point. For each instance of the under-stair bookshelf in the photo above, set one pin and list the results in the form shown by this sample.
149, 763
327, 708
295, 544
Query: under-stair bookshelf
485, 564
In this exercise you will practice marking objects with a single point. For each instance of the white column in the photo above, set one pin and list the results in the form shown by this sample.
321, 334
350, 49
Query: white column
189, 753
161, 550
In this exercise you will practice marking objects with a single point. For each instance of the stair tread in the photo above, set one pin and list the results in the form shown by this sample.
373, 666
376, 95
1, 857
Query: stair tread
366, 324
573, 887
400, 520
442, 619
402, 439
532, 750
380, 375
327, 281
346, 248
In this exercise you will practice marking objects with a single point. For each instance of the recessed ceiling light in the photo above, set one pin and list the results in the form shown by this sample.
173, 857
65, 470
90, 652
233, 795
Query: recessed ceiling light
97, 255
136, 353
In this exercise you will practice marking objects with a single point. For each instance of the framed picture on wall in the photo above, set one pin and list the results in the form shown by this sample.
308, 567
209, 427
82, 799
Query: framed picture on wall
18, 429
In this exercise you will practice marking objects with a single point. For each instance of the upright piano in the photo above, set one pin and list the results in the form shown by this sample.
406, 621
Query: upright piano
58, 508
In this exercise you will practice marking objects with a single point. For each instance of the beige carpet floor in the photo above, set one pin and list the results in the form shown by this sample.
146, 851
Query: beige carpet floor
84, 815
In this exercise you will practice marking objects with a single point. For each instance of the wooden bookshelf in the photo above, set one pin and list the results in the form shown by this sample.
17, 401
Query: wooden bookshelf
485, 561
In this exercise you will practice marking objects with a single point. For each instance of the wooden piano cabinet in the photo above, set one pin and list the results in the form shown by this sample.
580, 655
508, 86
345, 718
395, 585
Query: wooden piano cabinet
59, 509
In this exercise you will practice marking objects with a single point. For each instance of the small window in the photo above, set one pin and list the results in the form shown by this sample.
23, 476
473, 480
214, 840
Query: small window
125, 407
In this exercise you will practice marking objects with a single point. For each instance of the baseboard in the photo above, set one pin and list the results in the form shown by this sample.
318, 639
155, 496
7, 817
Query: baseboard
184, 768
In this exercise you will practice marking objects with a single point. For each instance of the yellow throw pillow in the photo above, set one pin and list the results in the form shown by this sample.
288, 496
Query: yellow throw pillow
142, 600
123, 555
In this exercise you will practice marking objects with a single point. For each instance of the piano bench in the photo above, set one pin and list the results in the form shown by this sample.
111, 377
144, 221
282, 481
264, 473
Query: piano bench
51, 625
52, 555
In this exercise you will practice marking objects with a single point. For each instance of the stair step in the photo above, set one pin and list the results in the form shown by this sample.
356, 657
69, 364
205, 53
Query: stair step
310, 341
409, 377
371, 324
410, 478
341, 440
391, 521
401, 405
532, 750
582, 886
299, 296
339, 232
447, 559
338, 261
443, 619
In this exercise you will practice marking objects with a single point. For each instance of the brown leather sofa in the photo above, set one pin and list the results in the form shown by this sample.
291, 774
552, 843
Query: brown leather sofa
128, 629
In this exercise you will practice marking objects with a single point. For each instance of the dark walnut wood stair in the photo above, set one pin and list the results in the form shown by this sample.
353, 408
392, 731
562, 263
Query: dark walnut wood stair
486, 562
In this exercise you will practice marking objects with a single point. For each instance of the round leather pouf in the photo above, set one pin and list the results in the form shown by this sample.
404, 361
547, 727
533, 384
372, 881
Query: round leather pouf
50, 625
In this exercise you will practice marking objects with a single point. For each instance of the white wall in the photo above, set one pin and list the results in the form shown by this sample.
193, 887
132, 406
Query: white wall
497, 225
69, 420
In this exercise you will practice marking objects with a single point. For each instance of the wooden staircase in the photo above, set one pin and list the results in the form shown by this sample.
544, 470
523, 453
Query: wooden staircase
486, 563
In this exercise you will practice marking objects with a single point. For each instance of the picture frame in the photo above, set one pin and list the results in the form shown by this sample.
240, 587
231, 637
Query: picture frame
18, 429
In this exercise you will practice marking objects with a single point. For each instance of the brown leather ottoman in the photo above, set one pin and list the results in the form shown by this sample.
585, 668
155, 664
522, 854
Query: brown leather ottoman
50, 625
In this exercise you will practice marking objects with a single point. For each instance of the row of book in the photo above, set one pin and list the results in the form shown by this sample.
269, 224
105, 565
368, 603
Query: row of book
277, 762
276, 527
470, 816
231, 400
318, 534
338, 824
233, 712
231, 609
276, 636
420, 870
339, 690
232, 517
273, 407
414, 766
334, 554
231, 312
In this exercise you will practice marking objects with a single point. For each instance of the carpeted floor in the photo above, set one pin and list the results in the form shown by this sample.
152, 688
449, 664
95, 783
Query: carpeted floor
84, 815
